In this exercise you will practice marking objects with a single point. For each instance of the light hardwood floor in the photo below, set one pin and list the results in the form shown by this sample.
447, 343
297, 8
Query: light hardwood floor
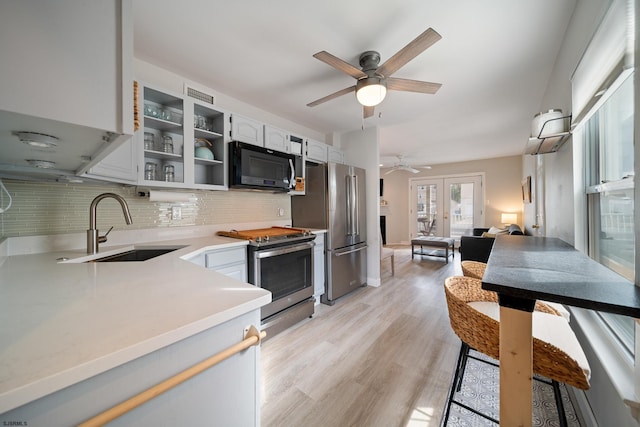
379, 357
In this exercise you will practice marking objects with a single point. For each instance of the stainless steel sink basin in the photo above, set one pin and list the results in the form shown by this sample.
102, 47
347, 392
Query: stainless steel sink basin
142, 254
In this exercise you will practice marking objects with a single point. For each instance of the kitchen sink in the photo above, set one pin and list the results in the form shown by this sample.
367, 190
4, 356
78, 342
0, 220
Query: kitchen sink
137, 254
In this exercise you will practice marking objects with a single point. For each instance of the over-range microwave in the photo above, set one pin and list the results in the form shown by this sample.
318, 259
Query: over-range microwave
259, 168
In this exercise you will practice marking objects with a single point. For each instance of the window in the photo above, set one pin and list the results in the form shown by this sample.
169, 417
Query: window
609, 169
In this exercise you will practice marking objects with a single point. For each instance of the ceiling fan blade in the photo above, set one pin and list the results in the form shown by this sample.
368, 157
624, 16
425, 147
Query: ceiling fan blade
407, 85
367, 111
332, 96
339, 64
407, 53
412, 170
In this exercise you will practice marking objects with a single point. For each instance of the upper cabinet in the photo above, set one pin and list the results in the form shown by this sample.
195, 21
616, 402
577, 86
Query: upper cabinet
276, 139
246, 130
335, 155
66, 73
209, 148
162, 141
316, 151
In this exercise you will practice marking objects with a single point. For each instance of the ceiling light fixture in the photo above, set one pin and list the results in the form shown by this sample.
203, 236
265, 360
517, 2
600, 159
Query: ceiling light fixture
42, 164
370, 91
38, 140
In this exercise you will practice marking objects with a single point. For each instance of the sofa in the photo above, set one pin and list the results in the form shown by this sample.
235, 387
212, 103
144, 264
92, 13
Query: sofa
478, 247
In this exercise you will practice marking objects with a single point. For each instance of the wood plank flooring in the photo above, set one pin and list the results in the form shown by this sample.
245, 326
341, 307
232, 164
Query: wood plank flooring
379, 357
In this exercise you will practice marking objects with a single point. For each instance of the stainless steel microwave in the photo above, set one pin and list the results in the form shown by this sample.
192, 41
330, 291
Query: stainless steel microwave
258, 168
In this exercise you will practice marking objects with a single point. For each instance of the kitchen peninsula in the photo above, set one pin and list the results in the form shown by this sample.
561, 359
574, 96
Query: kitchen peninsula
79, 337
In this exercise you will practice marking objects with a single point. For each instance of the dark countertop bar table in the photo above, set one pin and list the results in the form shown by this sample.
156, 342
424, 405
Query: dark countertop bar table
523, 269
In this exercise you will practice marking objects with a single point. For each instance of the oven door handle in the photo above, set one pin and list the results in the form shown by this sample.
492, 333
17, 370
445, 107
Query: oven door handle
283, 250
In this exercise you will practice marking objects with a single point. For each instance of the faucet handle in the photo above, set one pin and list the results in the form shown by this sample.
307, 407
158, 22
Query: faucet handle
102, 239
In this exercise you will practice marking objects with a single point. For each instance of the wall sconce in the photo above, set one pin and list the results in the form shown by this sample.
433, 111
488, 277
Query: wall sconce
509, 218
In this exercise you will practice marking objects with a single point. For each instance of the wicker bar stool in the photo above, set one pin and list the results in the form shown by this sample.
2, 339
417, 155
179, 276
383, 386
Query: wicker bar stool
473, 269
474, 314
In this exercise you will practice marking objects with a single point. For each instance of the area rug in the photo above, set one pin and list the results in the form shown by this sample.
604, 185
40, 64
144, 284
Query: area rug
480, 390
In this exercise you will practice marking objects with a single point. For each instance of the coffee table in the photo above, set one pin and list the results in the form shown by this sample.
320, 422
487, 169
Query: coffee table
441, 245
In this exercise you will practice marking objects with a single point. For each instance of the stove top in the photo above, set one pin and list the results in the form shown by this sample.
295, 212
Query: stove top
272, 236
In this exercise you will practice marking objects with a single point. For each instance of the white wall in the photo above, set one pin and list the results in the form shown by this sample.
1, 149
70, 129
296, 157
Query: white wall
502, 192
602, 403
362, 149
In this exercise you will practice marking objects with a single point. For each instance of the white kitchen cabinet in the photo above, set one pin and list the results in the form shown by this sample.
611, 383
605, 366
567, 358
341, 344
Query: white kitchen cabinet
231, 262
226, 394
246, 130
335, 155
276, 139
119, 166
67, 72
316, 151
208, 169
318, 266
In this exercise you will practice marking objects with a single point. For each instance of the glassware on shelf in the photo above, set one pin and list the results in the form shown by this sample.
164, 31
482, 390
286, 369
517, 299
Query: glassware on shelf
150, 171
169, 173
167, 144
151, 110
149, 141
165, 114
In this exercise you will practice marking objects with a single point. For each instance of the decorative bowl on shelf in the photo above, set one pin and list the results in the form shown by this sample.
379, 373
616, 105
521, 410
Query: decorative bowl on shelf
204, 153
202, 150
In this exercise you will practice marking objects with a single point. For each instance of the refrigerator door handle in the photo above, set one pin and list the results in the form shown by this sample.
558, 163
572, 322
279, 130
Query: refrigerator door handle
356, 205
349, 185
350, 252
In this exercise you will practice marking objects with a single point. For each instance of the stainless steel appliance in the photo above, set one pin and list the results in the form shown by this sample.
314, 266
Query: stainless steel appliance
335, 200
253, 167
280, 259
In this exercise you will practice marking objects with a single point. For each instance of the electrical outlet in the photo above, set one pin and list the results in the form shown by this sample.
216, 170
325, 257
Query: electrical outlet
280, 212
176, 213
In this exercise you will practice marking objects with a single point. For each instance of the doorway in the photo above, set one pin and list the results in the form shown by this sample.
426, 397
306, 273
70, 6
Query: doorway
448, 206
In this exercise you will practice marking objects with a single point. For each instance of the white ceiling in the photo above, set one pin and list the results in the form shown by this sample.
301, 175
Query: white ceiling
493, 61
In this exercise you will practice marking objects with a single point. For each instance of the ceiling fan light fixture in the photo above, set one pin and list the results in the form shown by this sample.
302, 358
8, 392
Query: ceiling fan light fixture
370, 91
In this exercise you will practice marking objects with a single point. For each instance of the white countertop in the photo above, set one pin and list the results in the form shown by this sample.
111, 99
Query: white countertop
61, 323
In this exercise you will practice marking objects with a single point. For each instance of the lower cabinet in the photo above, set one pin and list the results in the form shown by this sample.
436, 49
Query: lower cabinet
226, 394
318, 266
231, 262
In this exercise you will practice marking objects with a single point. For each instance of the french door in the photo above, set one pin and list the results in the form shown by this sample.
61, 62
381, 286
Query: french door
449, 206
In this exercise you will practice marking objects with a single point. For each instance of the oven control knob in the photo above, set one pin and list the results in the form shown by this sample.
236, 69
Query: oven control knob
266, 238
258, 239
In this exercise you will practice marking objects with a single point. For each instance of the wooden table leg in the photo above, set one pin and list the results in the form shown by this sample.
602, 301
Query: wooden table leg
516, 371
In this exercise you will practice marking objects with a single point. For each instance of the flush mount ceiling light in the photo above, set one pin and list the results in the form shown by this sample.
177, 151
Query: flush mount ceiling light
371, 91
39, 140
42, 164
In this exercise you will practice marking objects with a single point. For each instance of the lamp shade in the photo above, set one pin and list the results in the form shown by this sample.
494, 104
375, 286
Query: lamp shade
509, 218
371, 91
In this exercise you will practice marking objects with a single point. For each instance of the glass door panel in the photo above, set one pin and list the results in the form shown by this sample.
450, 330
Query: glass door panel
446, 206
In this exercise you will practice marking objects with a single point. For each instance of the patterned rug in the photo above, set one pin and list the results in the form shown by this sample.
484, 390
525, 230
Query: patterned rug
480, 390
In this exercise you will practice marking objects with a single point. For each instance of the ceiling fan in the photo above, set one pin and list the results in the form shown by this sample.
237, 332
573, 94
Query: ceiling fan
373, 80
402, 165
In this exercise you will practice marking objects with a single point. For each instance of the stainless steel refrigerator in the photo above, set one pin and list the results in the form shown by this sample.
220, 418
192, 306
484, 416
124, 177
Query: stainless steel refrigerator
335, 200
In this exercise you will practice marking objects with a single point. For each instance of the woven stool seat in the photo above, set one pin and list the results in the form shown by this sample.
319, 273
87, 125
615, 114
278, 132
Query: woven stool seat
473, 269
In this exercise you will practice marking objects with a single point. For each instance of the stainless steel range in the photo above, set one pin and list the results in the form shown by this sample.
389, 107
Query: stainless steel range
281, 261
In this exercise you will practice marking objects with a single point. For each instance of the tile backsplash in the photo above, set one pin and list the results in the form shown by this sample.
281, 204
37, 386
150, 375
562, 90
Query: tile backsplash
51, 208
